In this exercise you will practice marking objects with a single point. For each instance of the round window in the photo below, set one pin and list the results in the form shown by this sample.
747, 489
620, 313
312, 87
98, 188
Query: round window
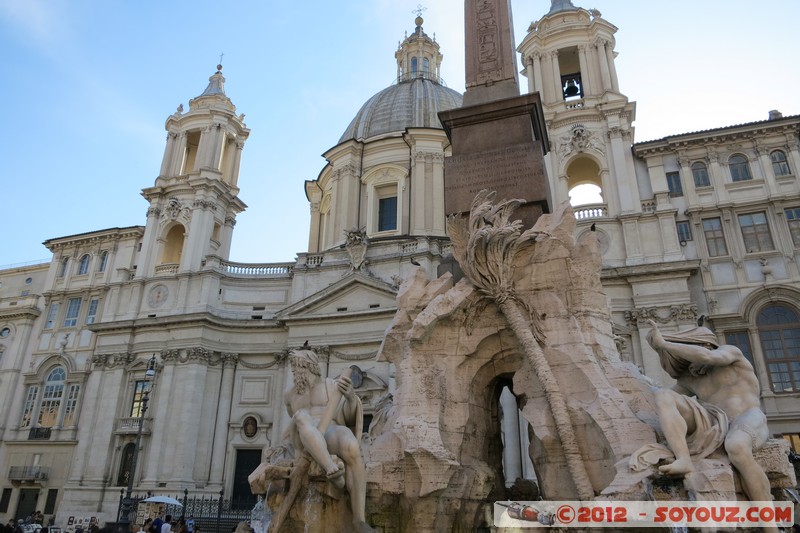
5, 332
28, 281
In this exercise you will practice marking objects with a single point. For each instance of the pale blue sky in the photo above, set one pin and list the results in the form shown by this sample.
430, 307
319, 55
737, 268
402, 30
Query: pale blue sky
88, 85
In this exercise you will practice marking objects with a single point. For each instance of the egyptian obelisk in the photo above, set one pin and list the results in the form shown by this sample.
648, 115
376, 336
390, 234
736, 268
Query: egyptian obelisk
498, 137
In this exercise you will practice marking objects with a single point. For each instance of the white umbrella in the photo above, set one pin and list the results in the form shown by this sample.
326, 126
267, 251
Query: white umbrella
163, 499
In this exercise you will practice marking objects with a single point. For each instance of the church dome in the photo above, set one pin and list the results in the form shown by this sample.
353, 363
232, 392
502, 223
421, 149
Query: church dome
410, 103
417, 97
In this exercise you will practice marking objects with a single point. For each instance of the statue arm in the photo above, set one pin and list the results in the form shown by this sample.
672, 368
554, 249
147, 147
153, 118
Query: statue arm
350, 409
694, 353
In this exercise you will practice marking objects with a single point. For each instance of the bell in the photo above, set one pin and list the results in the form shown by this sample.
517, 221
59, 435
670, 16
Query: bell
572, 89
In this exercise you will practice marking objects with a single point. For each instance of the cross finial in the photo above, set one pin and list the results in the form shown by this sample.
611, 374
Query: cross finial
419, 10
220, 57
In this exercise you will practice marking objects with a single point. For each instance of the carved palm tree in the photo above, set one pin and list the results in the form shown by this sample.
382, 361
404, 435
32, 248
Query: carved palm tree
485, 247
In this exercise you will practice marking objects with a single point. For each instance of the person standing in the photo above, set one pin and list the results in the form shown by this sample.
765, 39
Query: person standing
166, 527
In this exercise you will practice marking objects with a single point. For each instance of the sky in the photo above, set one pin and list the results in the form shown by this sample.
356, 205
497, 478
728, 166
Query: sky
89, 84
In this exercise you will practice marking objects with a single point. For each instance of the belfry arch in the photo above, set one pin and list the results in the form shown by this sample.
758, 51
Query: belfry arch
172, 245
584, 181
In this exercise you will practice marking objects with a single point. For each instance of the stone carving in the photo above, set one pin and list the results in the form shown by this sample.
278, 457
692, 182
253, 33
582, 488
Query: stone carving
175, 210
579, 140
716, 402
325, 431
684, 312
356, 246
486, 246
112, 360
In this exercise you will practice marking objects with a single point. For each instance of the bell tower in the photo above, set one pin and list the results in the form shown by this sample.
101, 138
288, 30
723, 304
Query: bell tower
194, 202
568, 57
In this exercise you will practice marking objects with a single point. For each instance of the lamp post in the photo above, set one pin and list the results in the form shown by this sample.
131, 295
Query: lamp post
124, 525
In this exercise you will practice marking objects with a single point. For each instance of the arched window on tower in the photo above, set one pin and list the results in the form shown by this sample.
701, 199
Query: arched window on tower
413, 66
426, 65
779, 330
173, 246
585, 189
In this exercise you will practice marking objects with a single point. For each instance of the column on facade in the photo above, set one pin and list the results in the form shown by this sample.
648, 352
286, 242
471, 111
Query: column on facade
718, 175
162, 405
179, 154
586, 77
89, 407
558, 91
9, 393
759, 363
200, 228
216, 147
237, 161
536, 61
94, 463
418, 190
611, 200
228, 362
528, 62
627, 188
201, 159
150, 249
793, 148
186, 444
512, 459
439, 217
169, 154
687, 178
602, 59
612, 70
226, 236
764, 168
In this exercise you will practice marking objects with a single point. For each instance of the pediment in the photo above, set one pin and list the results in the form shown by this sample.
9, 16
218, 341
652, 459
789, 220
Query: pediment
354, 294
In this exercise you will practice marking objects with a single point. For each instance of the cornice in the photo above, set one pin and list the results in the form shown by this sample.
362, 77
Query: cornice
183, 320
20, 313
650, 269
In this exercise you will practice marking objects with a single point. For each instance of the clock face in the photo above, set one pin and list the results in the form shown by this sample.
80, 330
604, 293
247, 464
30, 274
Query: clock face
158, 295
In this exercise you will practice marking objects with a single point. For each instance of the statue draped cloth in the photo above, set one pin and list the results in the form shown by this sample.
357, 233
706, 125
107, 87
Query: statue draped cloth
711, 426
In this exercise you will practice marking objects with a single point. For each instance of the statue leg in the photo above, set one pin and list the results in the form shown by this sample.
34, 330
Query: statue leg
676, 422
313, 441
343, 443
748, 432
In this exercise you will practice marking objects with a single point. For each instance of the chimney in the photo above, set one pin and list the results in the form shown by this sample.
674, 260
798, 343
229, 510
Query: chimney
775, 114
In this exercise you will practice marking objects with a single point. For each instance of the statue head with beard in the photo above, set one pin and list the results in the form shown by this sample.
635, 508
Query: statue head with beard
303, 363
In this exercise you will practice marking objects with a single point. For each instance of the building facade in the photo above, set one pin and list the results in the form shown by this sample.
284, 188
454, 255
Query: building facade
694, 227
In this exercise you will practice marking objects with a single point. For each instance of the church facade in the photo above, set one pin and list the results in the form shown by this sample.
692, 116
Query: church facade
154, 330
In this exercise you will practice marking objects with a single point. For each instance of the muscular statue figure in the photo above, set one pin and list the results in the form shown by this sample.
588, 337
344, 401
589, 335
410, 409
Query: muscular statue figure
322, 425
714, 402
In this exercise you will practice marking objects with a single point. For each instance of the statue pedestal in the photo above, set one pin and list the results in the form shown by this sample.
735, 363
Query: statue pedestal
317, 505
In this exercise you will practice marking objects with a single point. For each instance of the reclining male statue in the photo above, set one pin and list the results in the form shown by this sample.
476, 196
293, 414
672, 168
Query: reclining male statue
715, 402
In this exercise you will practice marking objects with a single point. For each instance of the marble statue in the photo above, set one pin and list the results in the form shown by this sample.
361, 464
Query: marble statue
327, 419
714, 403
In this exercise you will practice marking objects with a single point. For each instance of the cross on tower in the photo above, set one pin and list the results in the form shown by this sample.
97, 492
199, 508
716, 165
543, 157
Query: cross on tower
220, 57
419, 10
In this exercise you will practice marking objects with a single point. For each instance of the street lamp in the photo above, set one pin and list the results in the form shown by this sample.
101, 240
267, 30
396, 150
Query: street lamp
124, 525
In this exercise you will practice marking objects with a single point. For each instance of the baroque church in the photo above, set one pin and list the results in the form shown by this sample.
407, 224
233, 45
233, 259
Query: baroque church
155, 330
